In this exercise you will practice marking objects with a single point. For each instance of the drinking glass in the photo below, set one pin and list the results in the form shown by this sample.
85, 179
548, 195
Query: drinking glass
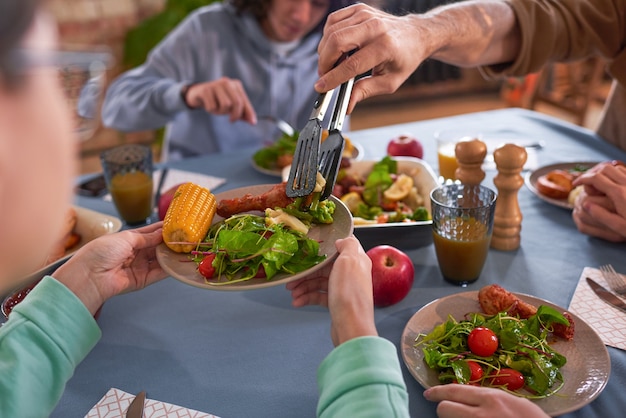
128, 173
446, 143
462, 226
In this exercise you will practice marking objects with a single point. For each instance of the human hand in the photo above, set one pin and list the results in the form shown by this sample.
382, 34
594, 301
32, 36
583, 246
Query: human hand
467, 401
345, 288
225, 96
600, 209
113, 264
388, 45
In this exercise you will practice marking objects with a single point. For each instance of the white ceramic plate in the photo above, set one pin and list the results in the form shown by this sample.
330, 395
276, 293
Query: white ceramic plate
531, 180
356, 155
403, 235
180, 267
585, 374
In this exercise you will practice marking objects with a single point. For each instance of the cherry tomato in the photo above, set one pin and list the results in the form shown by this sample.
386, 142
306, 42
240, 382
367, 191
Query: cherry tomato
206, 266
510, 378
482, 341
260, 273
476, 371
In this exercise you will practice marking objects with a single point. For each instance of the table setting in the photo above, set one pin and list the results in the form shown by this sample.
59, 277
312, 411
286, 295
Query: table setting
248, 352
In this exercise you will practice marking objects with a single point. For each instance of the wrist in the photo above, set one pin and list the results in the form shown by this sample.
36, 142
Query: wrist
183, 95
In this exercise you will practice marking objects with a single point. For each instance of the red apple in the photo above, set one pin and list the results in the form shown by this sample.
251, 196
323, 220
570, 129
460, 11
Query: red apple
165, 199
405, 145
392, 274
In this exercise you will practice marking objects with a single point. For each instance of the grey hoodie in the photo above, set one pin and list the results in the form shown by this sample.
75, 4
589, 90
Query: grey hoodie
214, 42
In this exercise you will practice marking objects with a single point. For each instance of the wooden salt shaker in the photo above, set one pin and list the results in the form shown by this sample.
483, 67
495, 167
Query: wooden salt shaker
470, 155
507, 222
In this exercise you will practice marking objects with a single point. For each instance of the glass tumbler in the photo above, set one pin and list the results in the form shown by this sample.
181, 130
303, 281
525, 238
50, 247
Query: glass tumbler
462, 227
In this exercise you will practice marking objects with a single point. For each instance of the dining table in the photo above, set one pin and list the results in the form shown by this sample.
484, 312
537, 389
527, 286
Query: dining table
250, 353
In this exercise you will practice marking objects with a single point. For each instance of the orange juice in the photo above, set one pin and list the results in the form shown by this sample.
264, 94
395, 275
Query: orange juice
132, 194
462, 252
447, 160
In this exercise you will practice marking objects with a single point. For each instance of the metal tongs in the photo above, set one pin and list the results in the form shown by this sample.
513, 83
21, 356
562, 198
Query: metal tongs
331, 149
303, 172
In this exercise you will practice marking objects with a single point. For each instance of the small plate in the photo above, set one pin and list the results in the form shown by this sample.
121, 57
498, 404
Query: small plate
585, 374
182, 268
402, 235
531, 180
356, 155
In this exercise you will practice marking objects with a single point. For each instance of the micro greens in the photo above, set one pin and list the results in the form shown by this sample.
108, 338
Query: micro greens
523, 346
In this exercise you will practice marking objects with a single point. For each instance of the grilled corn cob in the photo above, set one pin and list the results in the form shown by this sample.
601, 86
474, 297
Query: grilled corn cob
188, 218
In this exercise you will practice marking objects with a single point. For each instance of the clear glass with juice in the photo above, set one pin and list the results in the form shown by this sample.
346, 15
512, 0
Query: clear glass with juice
462, 227
132, 195
446, 155
128, 173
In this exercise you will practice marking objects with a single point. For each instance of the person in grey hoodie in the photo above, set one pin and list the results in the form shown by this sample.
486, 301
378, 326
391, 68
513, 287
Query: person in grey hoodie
222, 74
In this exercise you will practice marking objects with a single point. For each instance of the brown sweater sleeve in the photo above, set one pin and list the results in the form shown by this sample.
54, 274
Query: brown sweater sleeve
566, 30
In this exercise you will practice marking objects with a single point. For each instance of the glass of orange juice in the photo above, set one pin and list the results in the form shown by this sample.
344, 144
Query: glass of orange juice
446, 143
128, 173
462, 226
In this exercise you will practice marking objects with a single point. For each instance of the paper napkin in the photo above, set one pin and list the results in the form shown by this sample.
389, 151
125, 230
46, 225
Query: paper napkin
607, 321
115, 403
175, 177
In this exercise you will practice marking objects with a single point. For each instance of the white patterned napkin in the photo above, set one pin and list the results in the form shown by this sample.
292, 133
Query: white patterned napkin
175, 177
607, 321
115, 403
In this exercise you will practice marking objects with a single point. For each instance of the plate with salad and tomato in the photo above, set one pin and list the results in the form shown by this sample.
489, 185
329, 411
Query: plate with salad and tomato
273, 158
267, 255
579, 368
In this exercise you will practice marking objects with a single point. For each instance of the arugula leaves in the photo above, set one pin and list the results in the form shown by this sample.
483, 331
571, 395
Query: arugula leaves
523, 346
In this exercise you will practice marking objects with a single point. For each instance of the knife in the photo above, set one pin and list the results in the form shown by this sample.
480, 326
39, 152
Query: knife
606, 296
135, 409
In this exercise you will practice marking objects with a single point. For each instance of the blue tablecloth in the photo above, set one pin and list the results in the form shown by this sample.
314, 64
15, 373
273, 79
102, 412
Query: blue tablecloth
250, 354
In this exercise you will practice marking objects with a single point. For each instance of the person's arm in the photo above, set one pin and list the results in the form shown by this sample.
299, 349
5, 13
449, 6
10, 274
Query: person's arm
362, 375
149, 96
466, 34
42, 342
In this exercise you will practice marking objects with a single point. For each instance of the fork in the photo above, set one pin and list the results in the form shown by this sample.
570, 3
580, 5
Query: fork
331, 149
615, 280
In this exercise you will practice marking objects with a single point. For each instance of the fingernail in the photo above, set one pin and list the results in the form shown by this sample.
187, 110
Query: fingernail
320, 85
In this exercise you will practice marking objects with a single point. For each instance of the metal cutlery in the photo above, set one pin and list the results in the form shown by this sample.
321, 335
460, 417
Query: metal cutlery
331, 149
616, 281
606, 295
282, 125
303, 173
157, 195
135, 409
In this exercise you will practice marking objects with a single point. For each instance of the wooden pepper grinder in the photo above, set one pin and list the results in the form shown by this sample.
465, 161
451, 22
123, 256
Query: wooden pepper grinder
470, 155
507, 222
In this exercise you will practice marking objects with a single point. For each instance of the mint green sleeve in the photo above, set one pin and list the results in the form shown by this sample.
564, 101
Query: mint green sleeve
42, 342
362, 378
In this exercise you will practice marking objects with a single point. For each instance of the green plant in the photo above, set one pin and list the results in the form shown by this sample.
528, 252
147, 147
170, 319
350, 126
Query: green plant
147, 34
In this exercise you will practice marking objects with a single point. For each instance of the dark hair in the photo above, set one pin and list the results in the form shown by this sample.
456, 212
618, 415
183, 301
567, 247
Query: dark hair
16, 16
259, 8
